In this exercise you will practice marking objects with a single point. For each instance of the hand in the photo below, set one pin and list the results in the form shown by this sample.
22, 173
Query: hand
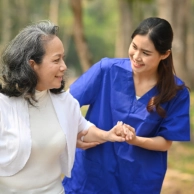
120, 130
84, 145
129, 132
125, 131
117, 133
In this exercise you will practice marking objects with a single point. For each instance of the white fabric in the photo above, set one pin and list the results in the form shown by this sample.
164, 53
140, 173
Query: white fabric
15, 137
42, 172
48, 189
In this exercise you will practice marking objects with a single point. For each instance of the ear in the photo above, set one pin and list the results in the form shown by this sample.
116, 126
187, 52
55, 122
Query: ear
32, 63
164, 56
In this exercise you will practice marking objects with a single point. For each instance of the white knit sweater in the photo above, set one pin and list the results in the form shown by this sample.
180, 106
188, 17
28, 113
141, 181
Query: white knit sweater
31, 139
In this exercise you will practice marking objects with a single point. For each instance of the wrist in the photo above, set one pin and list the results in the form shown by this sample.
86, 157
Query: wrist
135, 141
105, 136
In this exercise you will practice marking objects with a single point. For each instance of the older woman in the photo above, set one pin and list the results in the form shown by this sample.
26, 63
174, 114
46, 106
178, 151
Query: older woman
39, 122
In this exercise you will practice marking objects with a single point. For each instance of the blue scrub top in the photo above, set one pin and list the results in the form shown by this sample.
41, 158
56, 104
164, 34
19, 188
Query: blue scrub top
121, 168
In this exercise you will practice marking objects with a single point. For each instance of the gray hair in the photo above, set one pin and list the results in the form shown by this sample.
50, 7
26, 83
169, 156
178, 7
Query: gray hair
17, 75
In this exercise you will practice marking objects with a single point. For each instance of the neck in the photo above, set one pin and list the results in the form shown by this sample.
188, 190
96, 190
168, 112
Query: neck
142, 78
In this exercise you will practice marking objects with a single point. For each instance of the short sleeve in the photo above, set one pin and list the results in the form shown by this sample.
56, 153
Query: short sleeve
176, 126
85, 89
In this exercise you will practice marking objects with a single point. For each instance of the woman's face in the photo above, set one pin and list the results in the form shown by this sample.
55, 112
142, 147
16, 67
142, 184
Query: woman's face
143, 55
50, 72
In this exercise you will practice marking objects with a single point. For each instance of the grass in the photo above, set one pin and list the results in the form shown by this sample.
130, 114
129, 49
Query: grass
181, 157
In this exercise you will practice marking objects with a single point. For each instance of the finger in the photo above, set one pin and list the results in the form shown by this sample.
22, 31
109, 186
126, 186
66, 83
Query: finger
85, 146
82, 133
128, 131
125, 129
118, 133
130, 128
130, 136
117, 128
119, 123
119, 139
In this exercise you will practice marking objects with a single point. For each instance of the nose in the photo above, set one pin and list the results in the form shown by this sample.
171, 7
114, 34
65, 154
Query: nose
137, 56
63, 66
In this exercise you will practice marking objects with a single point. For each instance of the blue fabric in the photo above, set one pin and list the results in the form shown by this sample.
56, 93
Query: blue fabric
120, 168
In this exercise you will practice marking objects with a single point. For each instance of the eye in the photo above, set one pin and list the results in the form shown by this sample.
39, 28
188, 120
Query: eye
56, 60
134, 46
145, 53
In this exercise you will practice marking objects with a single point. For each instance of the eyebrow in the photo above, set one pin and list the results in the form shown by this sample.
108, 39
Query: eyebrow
143, 49
58, 55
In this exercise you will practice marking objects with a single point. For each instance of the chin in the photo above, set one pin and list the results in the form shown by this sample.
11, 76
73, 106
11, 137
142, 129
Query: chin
57, 87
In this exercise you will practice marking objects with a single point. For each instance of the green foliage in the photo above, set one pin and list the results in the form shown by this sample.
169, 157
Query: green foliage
100, 29
100, 20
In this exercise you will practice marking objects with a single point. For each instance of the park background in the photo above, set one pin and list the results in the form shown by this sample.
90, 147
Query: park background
93, 29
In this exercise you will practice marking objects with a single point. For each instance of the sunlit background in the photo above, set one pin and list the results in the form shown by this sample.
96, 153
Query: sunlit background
93, 29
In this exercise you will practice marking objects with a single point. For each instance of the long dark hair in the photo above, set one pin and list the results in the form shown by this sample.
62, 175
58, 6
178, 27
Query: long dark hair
160, 33
18, 78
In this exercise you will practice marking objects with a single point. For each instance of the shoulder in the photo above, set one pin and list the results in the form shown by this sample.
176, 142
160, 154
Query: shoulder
9, 101
184, 92
112, 62
181, 99
178, 81
66, 97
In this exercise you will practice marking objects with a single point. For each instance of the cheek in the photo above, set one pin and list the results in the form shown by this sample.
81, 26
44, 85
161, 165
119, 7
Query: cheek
130, 51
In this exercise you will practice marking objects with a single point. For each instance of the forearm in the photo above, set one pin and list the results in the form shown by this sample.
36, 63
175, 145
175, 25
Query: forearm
155, 143
96, 135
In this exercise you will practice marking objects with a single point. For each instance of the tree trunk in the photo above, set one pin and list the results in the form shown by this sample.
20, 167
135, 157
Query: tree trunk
175, 11
54, 11
125, 25
78, 34
6, 24
190, 43
165, 8
23, 13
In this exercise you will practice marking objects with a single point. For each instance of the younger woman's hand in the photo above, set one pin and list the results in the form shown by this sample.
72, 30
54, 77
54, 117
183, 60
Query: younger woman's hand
129, 132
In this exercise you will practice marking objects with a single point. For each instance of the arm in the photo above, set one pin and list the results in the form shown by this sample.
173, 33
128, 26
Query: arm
85, 89
84, 145
155, 143
97, 135
94, 136
176, 126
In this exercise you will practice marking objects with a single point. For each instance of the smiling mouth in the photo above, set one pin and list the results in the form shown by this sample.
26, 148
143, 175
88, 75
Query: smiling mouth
59, 77
138, 65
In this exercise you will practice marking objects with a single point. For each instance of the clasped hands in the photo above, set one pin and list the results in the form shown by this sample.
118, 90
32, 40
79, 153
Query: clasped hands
119, 133
122, 130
